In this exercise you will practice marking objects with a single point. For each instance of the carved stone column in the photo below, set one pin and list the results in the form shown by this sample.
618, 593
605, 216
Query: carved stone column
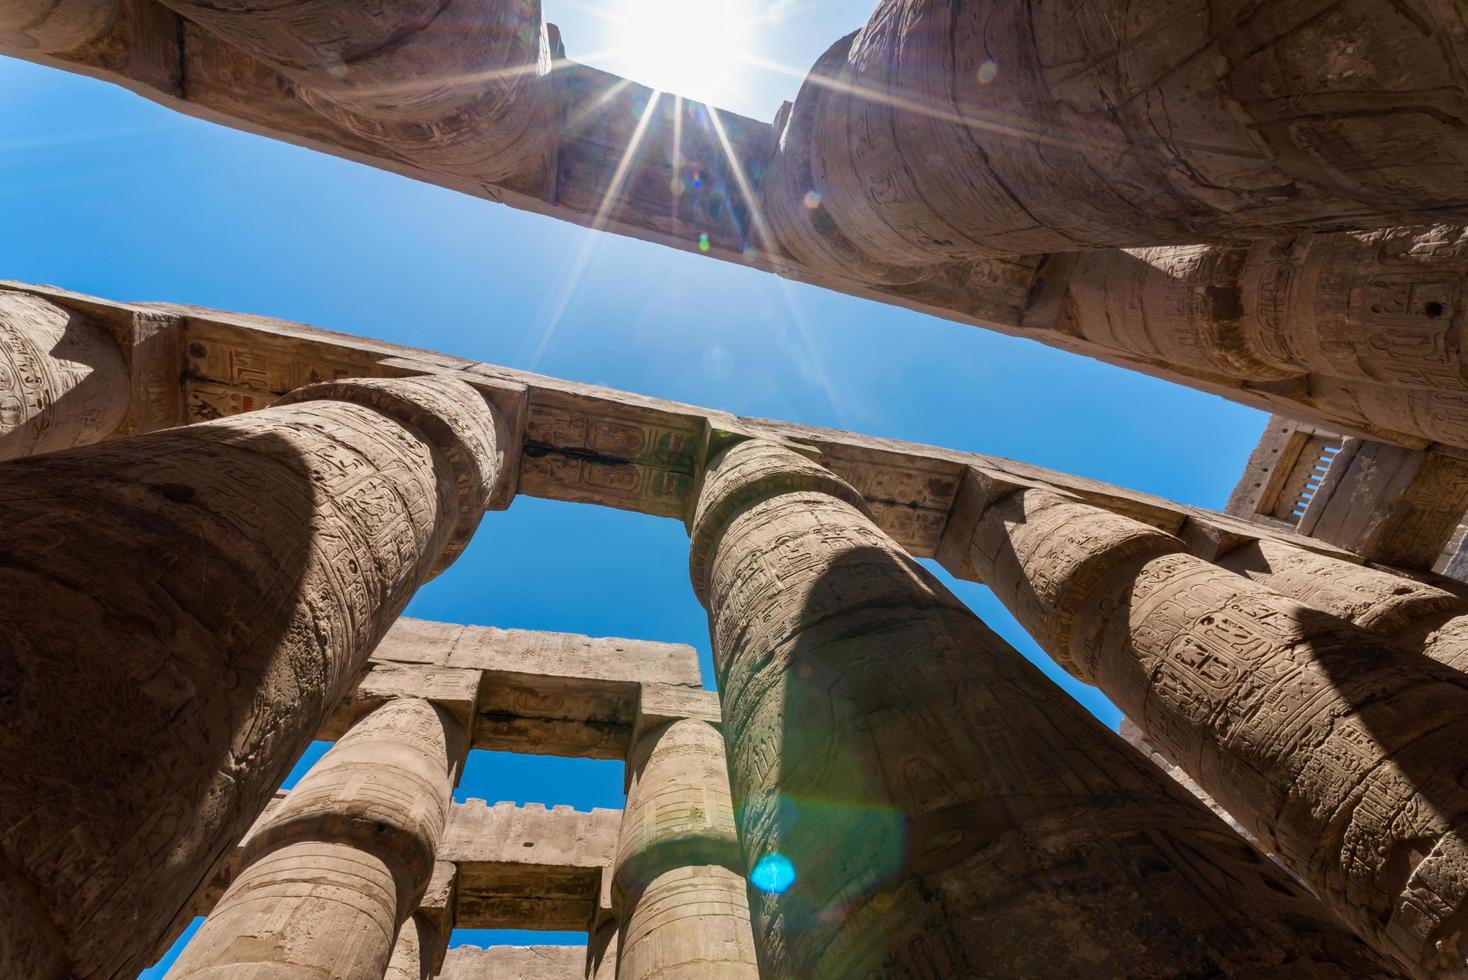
1371, 317
324, 886
677, 886
914, 798
63, 380
423, 938
944, 132
1339, 753
1411, 615
178, 613
455, 86
601, 951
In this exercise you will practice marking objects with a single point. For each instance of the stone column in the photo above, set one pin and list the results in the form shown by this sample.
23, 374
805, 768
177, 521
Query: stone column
677, 885
324, 886
178, 613
601, 951
458, 87
1371, 317
63, 380
1410, 615
945, 132
914, 798
423, 938
1339, 753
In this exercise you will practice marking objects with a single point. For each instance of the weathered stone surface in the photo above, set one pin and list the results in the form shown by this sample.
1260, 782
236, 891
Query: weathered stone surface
528, 867
1338, 752
47, 26
678, 886
601, 952
461, 87
424, 937
63, 381
963, 815
546, 693
895, 181
222, 585
515, 963
943, 132
327, 881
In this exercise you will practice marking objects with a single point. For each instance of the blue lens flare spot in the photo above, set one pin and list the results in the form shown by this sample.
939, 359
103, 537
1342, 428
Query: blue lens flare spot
773, 874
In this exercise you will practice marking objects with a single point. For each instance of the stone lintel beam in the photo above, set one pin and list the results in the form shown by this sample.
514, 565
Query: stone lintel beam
528, 867
571, 172
514, 963
597, 445
498, 866
532, 692
1392, 505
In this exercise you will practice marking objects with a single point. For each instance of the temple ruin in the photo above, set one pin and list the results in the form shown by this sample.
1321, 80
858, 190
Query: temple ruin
1264, 201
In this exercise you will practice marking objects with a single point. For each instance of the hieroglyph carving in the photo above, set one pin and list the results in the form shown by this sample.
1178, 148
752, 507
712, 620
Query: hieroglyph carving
326, 883
678, 884
1340, 753
941, 808
178, 613
63, 381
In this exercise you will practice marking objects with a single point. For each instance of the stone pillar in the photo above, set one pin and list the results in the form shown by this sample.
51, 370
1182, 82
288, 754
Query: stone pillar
677, 885
945, 132
424, 937
601, 951
324, 886
1411, 615
915, 799
178, 613
1339, 753
63, 380
1373, 316
458, 87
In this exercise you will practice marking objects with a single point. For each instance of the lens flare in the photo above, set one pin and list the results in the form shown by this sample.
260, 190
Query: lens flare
773, 874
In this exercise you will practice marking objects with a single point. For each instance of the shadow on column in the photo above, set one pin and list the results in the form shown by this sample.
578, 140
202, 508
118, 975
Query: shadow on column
177, 613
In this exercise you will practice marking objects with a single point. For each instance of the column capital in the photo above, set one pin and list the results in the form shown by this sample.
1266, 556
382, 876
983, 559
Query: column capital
746, 473
460, 422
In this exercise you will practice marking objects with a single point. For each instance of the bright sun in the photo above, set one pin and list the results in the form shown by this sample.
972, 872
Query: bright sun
693, 49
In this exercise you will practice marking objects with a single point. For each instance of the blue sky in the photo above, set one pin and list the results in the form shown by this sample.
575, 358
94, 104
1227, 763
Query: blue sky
106, 193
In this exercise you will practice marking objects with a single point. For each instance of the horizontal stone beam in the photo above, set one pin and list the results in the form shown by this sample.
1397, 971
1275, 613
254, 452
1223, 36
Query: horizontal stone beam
514, 963
597, 445
501, 866
609, 167
528, 867
522, 690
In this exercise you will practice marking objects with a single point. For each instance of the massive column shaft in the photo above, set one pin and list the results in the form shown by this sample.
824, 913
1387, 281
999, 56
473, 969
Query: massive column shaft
460, 87
915, 799
1408, 614
678, 887
948, 131
1370, 319
178, 612
1343, 755
324, 886
63, 381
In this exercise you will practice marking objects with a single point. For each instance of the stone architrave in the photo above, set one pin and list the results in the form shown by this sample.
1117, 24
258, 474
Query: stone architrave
678, 887
179, 611
1338, 752
1410, 615
63, 380
325, 885
950, 132
459, 87
913, 798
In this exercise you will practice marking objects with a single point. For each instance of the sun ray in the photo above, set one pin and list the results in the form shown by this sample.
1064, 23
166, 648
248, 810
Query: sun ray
988, 122
592, 236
